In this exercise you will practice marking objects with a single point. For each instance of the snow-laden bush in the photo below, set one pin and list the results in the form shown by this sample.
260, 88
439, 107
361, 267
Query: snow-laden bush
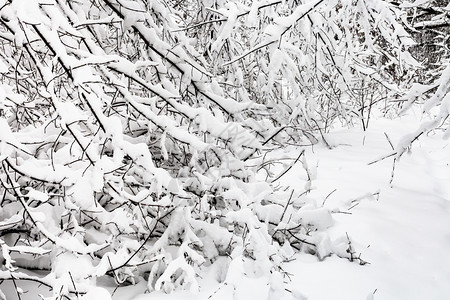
309, 62
131, 137
431, 26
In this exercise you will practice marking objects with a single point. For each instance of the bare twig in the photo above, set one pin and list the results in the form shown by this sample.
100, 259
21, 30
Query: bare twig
287, 170
286, 206
389, 140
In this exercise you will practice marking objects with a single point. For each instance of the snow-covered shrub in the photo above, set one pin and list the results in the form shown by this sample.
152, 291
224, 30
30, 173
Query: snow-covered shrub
428, 23
309, 62
129, 145
430, 28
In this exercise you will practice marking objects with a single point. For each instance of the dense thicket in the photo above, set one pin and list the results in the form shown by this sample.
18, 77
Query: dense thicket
133, 133
431, 29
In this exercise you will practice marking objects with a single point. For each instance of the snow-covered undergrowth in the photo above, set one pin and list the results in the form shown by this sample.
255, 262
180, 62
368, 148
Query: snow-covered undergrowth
145, 142
399, 228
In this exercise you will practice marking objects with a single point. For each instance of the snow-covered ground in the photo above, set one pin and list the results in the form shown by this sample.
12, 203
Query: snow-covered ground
400, 227
403, 231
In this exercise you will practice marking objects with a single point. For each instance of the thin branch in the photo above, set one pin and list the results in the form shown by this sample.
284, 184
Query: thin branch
287, 170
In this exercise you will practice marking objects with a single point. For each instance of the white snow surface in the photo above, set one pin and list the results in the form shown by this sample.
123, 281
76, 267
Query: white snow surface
401, 228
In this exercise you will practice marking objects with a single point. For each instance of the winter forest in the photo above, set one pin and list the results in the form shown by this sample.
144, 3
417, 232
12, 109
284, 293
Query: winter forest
224, 149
